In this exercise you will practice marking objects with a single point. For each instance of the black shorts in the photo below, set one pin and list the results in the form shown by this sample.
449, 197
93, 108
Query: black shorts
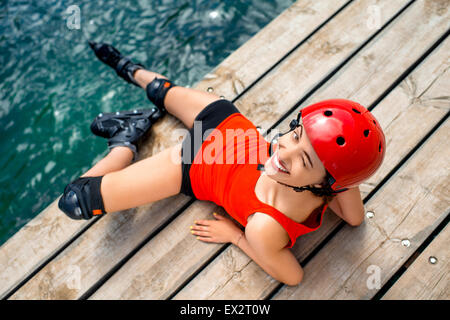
211, 116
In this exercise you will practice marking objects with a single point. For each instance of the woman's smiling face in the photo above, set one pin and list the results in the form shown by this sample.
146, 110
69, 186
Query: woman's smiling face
294, 161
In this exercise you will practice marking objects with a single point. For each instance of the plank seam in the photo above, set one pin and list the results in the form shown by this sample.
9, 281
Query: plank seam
340, 66
406, 157
408, 71
100, 282
287, 113
382, 182
89, 292
397, 275
199, 269
291, 51
47, 261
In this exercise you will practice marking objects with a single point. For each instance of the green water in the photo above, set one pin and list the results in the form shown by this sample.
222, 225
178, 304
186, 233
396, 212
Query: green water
52, 86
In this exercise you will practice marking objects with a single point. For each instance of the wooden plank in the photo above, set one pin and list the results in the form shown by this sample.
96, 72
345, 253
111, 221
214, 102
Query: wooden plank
241, 69
426, 279
358, 261
158, 278
33, 244
51, 229
400, 113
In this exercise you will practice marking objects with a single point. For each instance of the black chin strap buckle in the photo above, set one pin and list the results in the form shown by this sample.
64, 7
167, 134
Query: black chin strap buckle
295, 122
292, 125
331, 181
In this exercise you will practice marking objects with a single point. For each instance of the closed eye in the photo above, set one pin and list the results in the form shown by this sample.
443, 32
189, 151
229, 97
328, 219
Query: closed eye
297, 137
306, 153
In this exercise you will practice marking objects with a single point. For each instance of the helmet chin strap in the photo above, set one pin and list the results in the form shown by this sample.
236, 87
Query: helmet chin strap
317, 191
295, 123
327, 191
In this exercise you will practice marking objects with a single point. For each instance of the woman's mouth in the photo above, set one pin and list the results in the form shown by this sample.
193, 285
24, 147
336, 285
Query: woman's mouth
277, 165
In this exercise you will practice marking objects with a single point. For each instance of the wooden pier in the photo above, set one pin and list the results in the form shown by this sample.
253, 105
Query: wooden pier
391, 56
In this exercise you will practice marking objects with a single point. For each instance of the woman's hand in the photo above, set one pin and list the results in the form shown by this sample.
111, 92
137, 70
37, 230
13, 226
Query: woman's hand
221, 230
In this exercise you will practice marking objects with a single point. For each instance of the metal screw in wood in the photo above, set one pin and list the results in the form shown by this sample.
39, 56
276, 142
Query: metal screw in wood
406, 243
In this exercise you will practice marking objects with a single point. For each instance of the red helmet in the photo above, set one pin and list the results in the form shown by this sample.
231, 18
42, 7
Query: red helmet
347, 138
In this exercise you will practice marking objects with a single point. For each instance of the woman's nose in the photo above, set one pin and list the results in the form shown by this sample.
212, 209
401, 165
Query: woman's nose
289, 150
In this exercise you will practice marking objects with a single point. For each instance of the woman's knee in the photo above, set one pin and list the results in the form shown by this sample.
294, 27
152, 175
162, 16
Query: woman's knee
186, 103
82, 198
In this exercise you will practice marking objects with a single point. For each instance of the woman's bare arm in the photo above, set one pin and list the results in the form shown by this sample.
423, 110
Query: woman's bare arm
264, 243
349, 206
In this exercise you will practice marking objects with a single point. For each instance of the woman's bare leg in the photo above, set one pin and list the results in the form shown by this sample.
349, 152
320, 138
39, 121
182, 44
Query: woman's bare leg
148, 180
159, 176
144, 181
183, 103
118, 158
126, 186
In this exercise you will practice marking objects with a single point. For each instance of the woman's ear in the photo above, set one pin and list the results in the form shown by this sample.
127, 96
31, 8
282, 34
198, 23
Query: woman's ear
321, 184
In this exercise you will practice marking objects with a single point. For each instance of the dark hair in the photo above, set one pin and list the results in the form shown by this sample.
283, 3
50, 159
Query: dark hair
325, 191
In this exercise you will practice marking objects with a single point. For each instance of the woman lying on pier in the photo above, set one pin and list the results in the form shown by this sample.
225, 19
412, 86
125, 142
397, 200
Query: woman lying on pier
278, 191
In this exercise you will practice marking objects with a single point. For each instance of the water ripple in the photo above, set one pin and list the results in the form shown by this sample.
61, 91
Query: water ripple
52, 86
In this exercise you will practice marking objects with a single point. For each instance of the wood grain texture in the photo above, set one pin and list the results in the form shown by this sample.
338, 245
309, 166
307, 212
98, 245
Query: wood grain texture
173, 255
51, 230
400, 114
424, 280
409, 207
267, 47
121, 282
34, 244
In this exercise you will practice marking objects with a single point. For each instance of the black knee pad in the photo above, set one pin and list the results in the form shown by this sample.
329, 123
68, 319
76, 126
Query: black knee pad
82, 198
157, 90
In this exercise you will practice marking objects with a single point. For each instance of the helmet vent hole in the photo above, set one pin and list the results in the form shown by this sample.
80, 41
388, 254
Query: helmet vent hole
356, 110
328, 113
374, 122
379, 147
340, 141
366, 133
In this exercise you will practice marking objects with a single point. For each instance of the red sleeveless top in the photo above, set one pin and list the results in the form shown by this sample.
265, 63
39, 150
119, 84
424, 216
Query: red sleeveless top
224, 171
